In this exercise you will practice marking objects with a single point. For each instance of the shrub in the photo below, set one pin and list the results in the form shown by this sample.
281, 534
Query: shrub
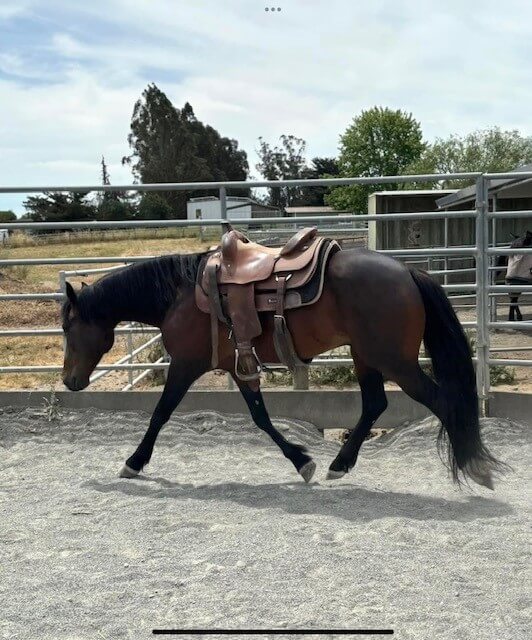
342, 376
18, 271
156, 377
499, 374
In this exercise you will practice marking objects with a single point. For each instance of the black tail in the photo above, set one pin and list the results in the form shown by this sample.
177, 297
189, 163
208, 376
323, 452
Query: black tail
453, 370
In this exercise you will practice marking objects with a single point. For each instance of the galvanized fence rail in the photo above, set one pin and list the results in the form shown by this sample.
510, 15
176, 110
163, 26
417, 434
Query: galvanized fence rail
484, 291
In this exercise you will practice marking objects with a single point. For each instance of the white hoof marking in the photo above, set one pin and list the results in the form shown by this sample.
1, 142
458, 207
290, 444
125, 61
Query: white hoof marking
128, 472
334, 475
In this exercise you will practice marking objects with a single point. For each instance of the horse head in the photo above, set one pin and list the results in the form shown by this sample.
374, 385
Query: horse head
85, 342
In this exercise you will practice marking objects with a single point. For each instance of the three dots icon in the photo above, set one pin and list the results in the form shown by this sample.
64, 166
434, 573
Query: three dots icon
272, 9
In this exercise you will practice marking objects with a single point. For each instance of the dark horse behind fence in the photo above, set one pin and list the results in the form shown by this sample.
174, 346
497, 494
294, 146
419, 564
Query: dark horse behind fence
373, 303
519, 272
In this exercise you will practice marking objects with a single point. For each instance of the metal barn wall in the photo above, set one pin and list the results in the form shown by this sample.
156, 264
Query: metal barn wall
422, 234
431, 233
418, 234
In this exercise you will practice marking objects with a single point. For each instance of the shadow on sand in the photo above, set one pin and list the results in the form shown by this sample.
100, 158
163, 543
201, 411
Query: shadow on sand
350, 503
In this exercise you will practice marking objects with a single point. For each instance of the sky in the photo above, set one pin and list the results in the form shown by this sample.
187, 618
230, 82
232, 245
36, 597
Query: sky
70, 73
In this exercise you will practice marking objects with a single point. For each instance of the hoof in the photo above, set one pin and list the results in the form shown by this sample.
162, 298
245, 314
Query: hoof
128, 472
334, 475
307, 470
483, 479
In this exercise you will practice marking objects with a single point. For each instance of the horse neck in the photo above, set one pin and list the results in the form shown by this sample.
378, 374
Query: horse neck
131, 308
144, 293
134, 315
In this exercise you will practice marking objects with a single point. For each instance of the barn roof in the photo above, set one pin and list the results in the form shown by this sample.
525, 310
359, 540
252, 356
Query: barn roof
506, 187
413, 192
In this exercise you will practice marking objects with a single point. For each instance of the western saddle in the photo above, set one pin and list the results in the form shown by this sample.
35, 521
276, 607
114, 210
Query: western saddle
241, 279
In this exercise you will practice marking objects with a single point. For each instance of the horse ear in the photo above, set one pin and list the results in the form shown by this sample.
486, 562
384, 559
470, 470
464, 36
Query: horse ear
83, 285
514, 236
71, 294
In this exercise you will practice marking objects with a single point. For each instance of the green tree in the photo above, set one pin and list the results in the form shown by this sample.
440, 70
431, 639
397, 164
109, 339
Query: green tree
106, 180
153, 206
162, 148
379, 142
171, 145
320, 168
284, 162
7, 216
489, 150
60, 207
224, 160
113, 205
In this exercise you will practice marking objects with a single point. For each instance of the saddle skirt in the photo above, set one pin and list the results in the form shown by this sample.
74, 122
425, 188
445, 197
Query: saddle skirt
241, 279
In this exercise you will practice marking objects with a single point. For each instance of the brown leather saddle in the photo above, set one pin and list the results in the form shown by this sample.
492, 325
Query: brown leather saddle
241, 279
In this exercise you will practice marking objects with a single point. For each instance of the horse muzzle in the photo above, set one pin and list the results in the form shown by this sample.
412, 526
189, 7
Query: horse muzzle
74, 383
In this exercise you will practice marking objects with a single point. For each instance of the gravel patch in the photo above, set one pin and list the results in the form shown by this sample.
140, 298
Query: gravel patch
221, 532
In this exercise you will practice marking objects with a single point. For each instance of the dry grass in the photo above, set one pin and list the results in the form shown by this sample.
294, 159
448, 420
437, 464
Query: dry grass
20, 239
47, 276
20, 351
48, 350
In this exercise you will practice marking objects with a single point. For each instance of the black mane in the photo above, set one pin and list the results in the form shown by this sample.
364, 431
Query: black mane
522, 241
143, 292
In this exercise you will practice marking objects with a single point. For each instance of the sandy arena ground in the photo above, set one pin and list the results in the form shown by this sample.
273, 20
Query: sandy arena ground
221, 532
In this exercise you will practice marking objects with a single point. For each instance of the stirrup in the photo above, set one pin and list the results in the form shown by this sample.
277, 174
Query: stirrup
248, 376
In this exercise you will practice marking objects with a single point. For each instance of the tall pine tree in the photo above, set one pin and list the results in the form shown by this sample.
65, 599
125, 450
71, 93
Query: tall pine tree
113, 205
171, 145
284, 162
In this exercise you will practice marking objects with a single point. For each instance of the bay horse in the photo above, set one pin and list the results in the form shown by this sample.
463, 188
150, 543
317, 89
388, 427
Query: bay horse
373, 303
518, 272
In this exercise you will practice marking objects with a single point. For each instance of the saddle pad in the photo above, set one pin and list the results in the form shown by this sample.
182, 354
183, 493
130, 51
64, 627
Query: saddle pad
306, 294
302, 288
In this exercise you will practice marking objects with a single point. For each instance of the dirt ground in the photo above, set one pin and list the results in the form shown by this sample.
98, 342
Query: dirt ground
221, 532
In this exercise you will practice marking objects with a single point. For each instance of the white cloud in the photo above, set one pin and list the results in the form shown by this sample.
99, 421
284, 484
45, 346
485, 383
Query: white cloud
306, 70
10, 9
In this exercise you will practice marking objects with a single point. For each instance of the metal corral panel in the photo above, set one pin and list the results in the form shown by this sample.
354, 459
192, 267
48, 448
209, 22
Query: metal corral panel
423, 234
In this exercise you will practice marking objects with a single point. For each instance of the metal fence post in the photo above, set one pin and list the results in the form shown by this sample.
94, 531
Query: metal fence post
130, 354
223, 203
301, 379
446, 245
62, 288
482, 280
166, 358
493, 261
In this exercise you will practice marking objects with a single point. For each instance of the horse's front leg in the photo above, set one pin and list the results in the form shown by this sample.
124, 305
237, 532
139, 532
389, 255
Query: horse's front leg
297, 454
514, 309
181, 375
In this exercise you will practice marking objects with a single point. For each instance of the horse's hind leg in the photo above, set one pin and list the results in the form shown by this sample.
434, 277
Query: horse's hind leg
514, 309
374, 404
295, 453
518, 310
417, 384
